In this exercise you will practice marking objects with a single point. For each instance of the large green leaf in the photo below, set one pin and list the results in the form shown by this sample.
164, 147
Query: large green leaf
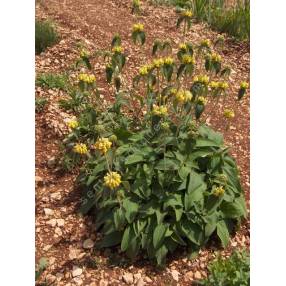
192, 231
131, 209
168, 164
111, 239
233, 209
159, 235
222, 232
119, 219
126, 238
161, 254
133, 159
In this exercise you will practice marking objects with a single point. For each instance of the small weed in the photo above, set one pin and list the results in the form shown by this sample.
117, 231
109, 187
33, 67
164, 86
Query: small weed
45, 35
51, 80
40, 104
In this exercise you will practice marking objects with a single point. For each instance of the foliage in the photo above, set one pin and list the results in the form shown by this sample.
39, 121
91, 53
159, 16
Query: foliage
158, 178
42, 265
51, 80
232, 271
45, 35
40, 103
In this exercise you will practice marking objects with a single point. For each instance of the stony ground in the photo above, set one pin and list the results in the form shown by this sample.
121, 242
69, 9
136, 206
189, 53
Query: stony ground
63, 236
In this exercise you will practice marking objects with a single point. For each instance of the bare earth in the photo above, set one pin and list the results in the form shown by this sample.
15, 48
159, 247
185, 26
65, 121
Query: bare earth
60, 231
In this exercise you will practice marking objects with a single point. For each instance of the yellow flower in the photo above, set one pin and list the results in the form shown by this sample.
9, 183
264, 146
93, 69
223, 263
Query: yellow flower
173, 91
143, 70
102, 145
86, 78
73, 124
183, 96
218, 191
158, 63
202, 100
80, 148
117, 49
183, 47
214, 84
160, 110
84, 53
228, 113
187, 59
204, 79
138, 27
165, 125
187, 13
244, 85
136, 2
223, 85
168, 61
215, 57
112, 180
206, 43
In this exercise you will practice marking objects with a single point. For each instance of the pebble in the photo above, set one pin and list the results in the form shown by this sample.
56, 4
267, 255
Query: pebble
175, 274
88, 243
76, 271
198, 275
52, 222
58, 231
103, 282
128, 278
140, 282
48, 211
56, 196
51, 162
39, 180
60, 222
148, 279
189, 275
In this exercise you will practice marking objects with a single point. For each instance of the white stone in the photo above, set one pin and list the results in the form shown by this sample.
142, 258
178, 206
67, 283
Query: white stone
175, 274
52, 222
88, 243
48, 211
76, 271
60, 222
128, 278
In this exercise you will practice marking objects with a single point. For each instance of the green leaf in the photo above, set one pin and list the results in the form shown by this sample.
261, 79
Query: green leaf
133, 159
159, 235
119, 218
168, 164
131, 209
192, 231
126, 238
161, 254
111, 239
233, 210
222, 232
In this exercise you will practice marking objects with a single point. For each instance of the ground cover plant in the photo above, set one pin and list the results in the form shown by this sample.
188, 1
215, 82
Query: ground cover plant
45, 35
232, 271
231, 19
155, 175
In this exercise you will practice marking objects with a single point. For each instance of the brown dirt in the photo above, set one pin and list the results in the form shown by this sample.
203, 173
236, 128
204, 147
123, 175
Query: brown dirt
93, 23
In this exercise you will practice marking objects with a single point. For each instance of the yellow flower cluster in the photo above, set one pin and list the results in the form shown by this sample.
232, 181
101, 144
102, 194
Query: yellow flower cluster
183, 47
73, 124
160, 110
84, 53
202, 100
158, 63
138, 27
136, 2
112, 180
86, 78
244, 85
168, 61
228, 113
204, 79
183, 96
188, 59
117, 49
187, 13
215, 57
218, 84
80, 148
173, 91
218, 191
165, 125
102, 145
206, 43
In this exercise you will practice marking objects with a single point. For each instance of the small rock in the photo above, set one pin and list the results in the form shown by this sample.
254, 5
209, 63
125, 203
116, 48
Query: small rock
137, 276
78, 280
58, 231
48, 211
189, 275
60, 222
76, 271
56, 196
103, 282
52, 222
148, 279
198, 275
128, 278
47, 247
51, 278
39, 181
175, 274
59, 276
88, 243
52, 162
140, 282
52, 260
